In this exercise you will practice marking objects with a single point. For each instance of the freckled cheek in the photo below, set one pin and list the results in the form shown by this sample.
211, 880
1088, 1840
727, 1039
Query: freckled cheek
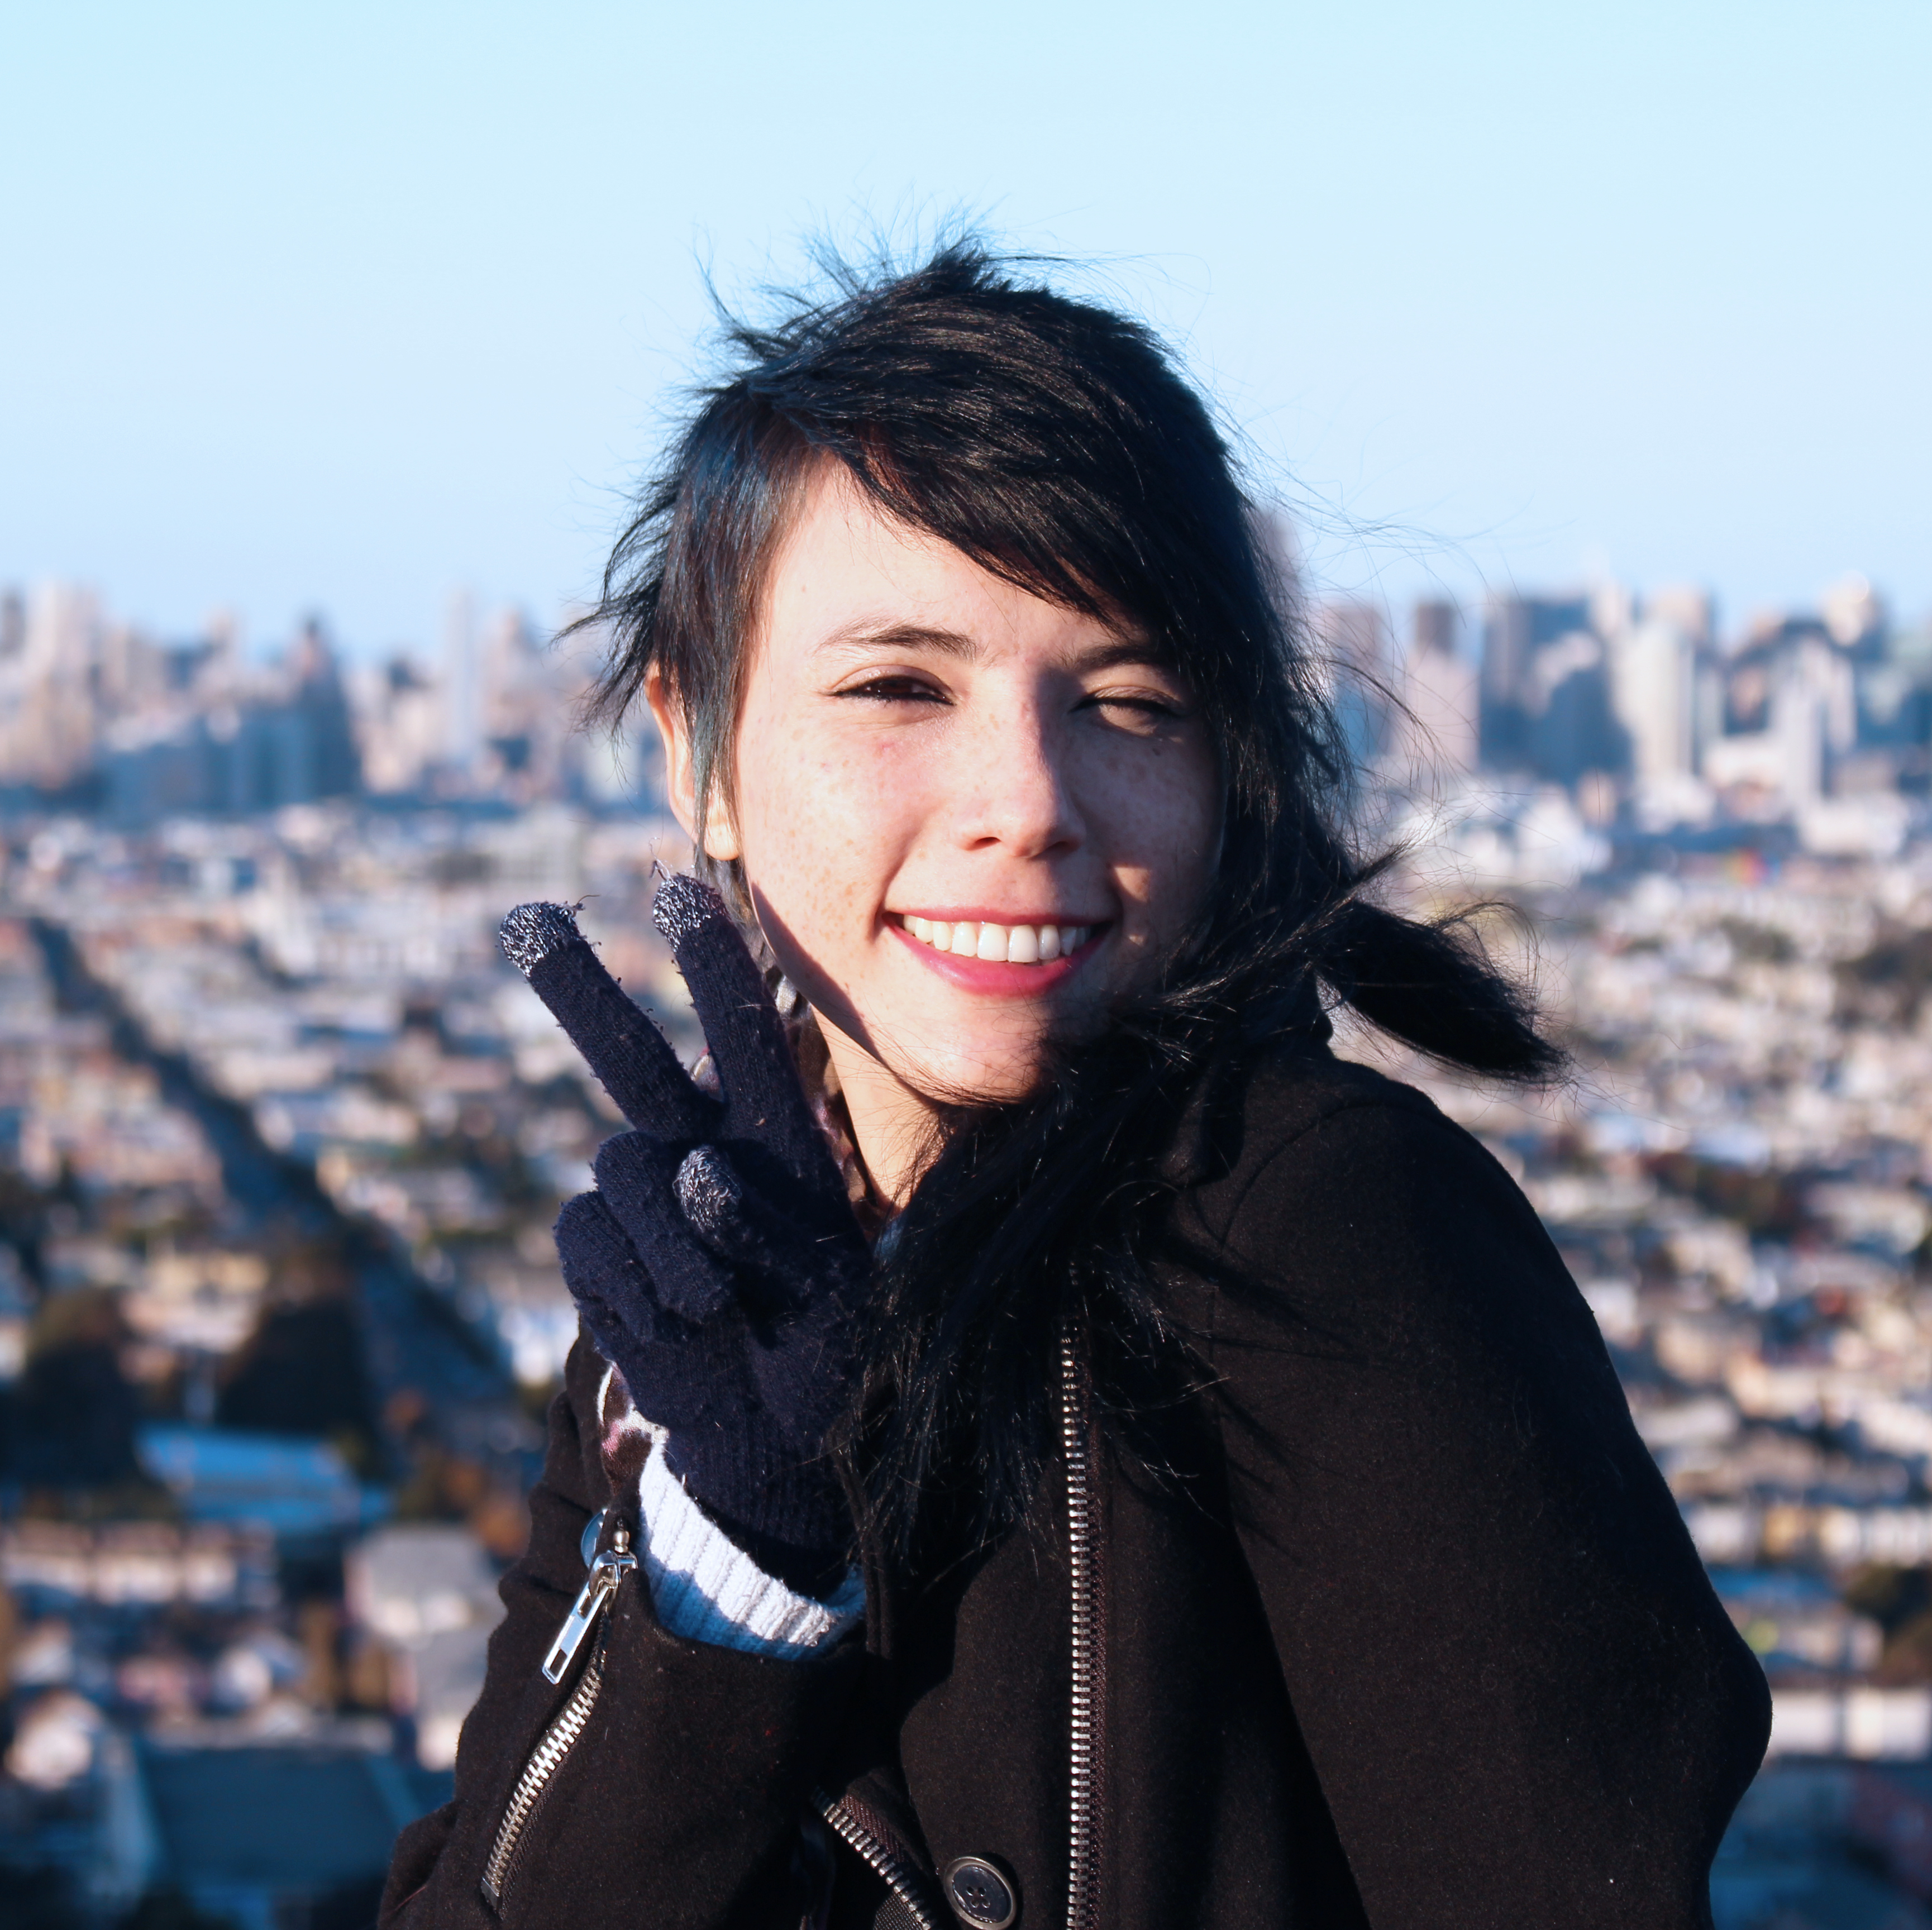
1156, 813
823, 839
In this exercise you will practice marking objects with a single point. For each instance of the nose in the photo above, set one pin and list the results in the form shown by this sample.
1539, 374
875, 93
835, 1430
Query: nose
1015, 791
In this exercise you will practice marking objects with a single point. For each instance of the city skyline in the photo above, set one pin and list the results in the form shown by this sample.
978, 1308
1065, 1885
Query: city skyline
1639, 710
1731, 619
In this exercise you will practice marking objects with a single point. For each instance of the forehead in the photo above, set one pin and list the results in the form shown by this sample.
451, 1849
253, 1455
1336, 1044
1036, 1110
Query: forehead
846, 578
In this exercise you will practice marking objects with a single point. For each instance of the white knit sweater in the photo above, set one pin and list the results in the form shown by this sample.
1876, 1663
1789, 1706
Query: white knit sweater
704, 1586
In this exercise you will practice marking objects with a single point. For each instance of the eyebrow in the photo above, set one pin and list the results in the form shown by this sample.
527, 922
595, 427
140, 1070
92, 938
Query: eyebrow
853, 637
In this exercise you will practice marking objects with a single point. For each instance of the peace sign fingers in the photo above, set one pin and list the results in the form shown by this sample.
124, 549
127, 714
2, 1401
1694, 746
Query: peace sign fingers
764, 1102
632, 1060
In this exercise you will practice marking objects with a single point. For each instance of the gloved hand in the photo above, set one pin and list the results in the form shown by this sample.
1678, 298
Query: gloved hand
719, 1263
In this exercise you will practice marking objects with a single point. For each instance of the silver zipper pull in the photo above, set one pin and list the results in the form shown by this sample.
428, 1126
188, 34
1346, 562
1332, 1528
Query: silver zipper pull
608, 1569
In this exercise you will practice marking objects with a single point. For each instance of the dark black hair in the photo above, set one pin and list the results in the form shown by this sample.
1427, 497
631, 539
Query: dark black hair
1055, 443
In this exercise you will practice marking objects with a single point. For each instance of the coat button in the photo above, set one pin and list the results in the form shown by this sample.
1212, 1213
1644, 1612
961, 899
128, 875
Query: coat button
981, 1893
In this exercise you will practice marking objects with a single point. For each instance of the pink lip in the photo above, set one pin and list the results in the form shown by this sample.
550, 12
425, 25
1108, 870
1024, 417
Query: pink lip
986, 915
1000, 980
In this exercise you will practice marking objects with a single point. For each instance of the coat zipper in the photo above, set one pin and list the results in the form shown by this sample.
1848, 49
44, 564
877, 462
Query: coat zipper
1084, 1752
606, 1570
899, 1874
1083, 1880
1084, 1765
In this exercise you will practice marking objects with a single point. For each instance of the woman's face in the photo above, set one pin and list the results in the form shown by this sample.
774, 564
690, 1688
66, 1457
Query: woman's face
970, 819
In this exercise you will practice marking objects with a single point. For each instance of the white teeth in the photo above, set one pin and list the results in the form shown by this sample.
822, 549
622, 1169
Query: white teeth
1001, 944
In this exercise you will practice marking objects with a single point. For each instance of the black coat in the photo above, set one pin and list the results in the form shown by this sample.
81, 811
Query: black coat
1416, 1638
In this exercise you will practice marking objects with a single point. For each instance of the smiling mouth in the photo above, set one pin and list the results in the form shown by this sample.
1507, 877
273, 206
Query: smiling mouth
999, 944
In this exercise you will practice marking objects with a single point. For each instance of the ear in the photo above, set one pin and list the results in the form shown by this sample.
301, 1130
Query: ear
720, 836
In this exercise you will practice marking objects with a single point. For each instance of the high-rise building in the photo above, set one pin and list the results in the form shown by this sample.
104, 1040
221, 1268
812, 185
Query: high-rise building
279, 734
1693, 611
1653, 687
462, 684
1352, 640
1790, 714
1546, 699
1658, 651
1434, 739
1521, 680
1437, 627
400, 728
1855, 616
49, 715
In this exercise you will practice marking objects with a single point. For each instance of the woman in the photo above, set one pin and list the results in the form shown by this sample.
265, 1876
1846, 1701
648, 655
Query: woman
1207, 1501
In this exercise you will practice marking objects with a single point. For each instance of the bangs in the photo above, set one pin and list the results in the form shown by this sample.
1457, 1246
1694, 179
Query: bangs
1053, 443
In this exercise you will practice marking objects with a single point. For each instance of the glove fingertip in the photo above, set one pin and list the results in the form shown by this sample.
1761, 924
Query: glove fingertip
530, 933
615, 1292
708, 1190
584, 1219
625, 1157
683, 907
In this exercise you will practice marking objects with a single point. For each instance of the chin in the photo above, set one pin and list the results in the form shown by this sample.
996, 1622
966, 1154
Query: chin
993, 1076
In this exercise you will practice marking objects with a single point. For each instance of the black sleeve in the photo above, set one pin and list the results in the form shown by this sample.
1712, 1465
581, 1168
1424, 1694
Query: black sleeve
678, 1805
1522, 1696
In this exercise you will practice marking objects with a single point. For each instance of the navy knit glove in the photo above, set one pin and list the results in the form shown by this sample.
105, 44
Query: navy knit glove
718, 1263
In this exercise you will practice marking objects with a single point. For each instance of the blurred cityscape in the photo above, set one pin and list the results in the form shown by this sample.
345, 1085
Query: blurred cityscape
281, 1140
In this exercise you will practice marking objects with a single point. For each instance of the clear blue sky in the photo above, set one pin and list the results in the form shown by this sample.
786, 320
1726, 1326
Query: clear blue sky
343, 306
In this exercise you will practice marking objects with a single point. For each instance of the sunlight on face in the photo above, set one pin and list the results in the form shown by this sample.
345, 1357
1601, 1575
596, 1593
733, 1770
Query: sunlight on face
970, 818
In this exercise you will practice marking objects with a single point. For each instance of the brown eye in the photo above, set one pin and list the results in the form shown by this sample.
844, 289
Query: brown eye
895, 689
